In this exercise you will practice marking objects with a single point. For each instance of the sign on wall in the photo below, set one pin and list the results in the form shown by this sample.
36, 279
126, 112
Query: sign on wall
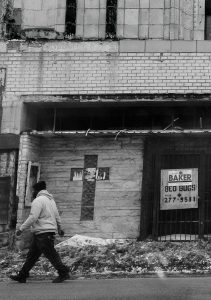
179, 189
90, 174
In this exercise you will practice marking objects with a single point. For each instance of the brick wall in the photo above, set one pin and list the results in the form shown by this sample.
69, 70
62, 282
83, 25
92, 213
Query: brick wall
117, 200
69, 68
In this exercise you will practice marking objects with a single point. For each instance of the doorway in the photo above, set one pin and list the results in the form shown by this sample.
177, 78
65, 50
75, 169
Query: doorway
4, 199
178, 199
176, 154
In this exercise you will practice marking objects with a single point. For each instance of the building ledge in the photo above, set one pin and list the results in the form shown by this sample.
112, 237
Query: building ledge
117, 133
107, 46
109, 99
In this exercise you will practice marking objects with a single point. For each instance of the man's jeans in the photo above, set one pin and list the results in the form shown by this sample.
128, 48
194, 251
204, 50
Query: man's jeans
43, 244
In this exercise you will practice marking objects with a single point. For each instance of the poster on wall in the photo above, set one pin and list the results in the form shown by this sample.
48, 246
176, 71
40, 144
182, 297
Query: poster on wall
179, 189
33, 176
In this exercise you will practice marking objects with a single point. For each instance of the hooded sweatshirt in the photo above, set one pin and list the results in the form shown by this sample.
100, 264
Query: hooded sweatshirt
44, 215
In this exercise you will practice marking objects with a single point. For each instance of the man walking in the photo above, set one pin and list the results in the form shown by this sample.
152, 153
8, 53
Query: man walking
45, 221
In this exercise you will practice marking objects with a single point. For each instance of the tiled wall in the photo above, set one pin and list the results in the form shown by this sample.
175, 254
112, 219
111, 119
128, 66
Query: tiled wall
144, 19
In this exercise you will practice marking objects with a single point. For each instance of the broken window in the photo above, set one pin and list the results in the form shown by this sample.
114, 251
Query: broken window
111, 18
118, 117
208, 20
70, 21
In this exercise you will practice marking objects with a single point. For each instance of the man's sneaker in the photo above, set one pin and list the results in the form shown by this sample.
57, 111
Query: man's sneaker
61, 278
18, 278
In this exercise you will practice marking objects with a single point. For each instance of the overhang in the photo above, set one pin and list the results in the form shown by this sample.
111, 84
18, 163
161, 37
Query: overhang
118, 133
59, 101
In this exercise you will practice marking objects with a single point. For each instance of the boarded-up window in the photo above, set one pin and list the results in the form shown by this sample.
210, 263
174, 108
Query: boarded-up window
4, 199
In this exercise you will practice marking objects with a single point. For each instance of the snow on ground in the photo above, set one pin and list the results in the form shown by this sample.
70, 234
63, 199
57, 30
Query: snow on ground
82, 240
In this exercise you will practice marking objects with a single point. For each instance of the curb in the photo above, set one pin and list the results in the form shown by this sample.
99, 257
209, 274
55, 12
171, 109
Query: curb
161, 275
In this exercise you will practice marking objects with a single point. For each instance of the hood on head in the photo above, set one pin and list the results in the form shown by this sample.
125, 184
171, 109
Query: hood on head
45, 193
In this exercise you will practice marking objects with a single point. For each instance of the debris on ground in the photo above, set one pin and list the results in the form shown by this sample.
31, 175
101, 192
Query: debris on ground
90, 256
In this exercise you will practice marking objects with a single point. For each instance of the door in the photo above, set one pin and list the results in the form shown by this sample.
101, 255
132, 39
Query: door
4, 199
183, 221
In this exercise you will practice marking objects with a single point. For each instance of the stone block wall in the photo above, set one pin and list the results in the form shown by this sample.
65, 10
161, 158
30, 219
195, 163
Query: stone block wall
142, 19
91, 19
117, 200
42, 13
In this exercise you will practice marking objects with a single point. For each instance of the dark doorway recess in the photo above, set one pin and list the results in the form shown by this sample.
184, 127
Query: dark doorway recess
172, 153
4, 199
175, 224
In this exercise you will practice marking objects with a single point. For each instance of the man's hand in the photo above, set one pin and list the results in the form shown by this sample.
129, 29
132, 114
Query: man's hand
61, 232
18, 232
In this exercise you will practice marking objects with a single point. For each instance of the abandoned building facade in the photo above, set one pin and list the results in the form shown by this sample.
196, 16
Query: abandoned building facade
109, 102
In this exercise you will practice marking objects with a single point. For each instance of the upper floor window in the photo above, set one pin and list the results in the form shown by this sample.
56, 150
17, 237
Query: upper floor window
111, 18
70, 20
208, 20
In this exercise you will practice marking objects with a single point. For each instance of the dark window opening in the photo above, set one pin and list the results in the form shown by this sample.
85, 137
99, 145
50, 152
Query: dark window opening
207, 20
4, 199
70, 21
111, 18
124, 117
